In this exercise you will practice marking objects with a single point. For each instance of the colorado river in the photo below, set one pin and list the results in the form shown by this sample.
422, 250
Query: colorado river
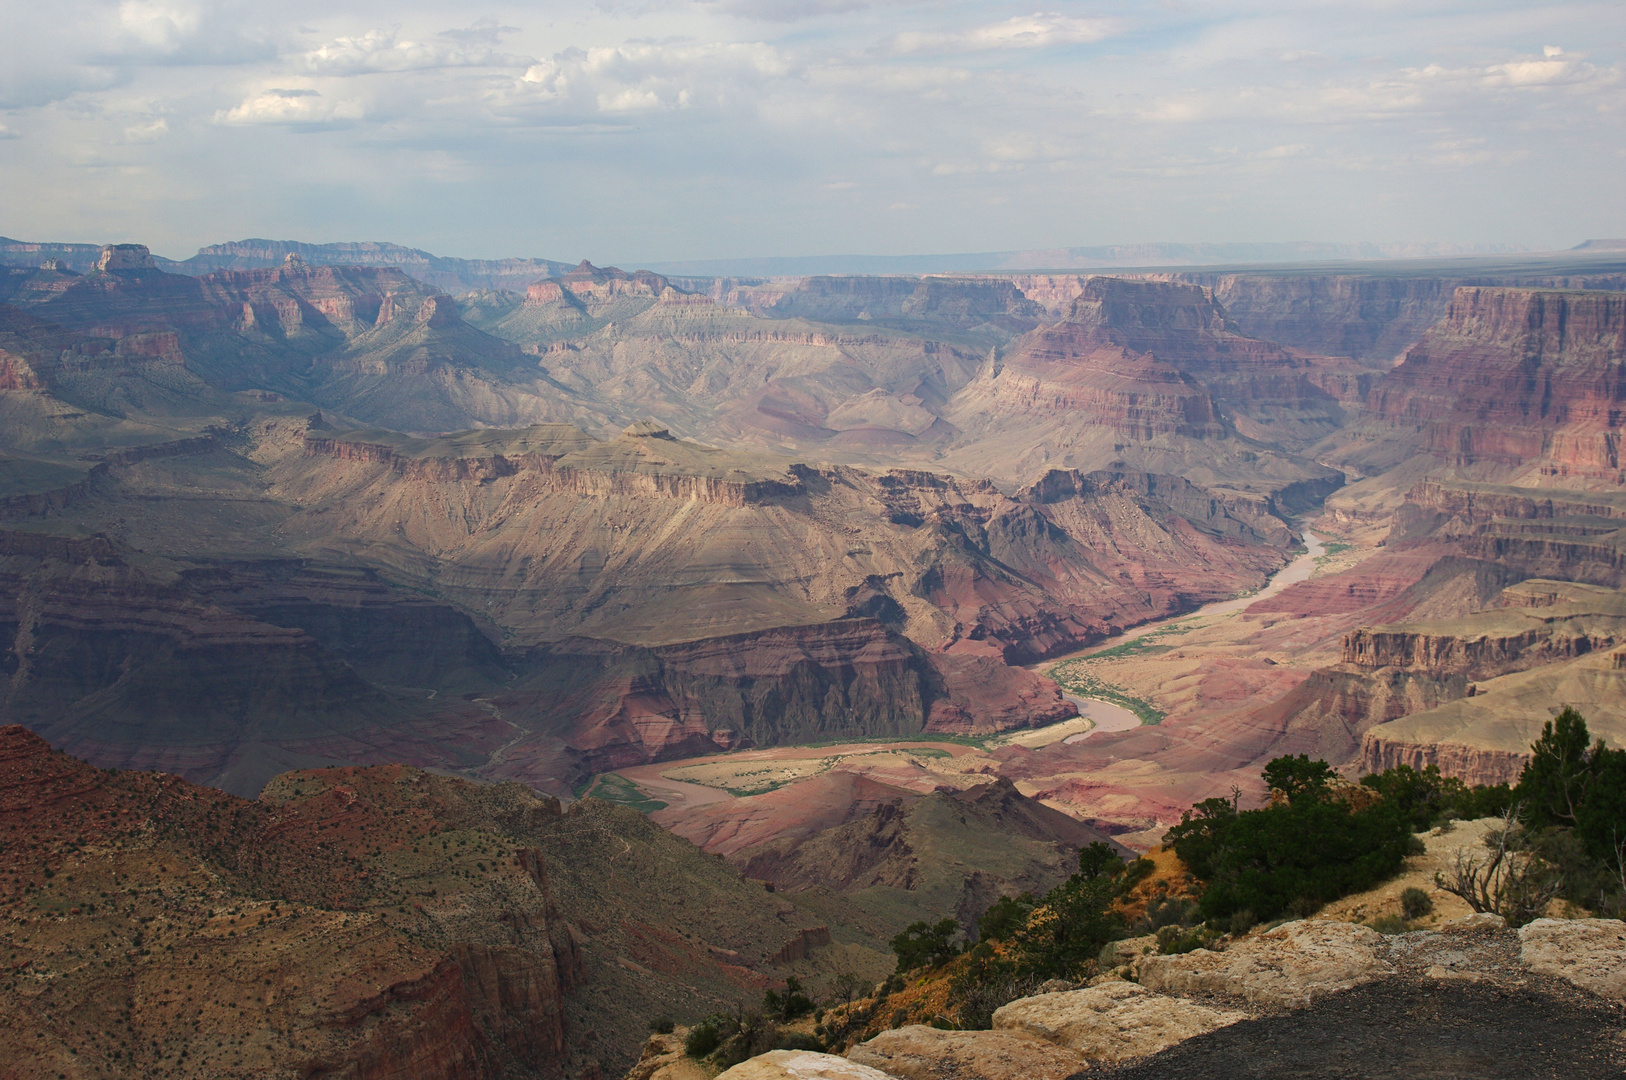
1109, 717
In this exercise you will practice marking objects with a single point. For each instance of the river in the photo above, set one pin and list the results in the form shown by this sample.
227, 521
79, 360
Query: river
1109, 717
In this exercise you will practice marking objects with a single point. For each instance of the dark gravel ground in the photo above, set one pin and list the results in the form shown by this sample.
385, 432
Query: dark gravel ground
1409, 1030
1460, 1007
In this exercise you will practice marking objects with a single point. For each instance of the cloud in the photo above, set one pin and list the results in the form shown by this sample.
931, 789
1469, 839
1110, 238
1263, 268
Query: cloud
1008, 126
1022, 32
7, 133
300, 107
148, 131
183, 32
381, 51
648, 77
163, 25
482, 31
788, 11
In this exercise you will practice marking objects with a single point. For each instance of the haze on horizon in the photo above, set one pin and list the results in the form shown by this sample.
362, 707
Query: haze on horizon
635, 132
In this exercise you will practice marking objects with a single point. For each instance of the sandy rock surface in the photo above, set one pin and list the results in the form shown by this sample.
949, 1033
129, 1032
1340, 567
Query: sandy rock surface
801, 1065
1289, 966
918, 1052
1591, 953
1111, 1022
663, 1059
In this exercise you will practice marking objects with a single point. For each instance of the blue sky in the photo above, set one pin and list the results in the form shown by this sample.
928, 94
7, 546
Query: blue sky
634, 132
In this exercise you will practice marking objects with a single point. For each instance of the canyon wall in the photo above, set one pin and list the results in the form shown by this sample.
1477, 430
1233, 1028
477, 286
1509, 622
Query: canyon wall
1521, 381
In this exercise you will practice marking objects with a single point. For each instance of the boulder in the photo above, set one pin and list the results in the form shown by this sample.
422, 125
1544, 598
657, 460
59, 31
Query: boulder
918, 1052
801, 1065
1291, 965
1591, 953
1111, 1022
1479, 920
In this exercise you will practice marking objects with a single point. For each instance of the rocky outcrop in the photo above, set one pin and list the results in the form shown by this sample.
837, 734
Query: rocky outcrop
1289, 966
801, 1065
918, 1052
798, 947
1112, 1022
1489, 643
595, 285
1591, 953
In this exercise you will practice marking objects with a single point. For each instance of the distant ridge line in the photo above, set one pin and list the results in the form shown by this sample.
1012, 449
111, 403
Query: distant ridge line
458, 275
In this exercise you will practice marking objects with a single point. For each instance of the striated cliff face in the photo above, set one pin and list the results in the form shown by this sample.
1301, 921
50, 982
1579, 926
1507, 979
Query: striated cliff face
136, 672
1518, 381
652, 540
1485, 738
1367, 316
1563, 535
1149, 373
1490, 643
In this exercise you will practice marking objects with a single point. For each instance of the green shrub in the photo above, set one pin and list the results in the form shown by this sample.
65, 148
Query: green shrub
703, 1039
1167, 911
662, 1025
926, 944
1175, 940
1415, 903
1242, 921
1426, 799
1390, 924
744, 1037
790, 1005
1005, 917
1294, 855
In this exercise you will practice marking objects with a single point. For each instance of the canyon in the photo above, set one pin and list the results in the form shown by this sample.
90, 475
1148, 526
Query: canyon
337, 552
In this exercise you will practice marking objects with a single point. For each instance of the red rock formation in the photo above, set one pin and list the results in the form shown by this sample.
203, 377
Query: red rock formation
1512, 377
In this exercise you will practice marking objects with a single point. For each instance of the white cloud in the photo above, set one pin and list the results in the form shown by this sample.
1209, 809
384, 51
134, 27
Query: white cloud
148, 131
383, 51
297, 107
796, 125
647, 77
160, 24
1041, 30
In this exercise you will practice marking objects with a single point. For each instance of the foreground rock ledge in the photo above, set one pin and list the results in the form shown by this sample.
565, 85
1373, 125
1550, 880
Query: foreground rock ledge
1112, 1022
917, 1052
1288, 967
1590, 953
801, 1065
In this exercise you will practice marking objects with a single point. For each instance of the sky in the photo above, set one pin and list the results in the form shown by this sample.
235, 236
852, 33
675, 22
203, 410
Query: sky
635, 131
